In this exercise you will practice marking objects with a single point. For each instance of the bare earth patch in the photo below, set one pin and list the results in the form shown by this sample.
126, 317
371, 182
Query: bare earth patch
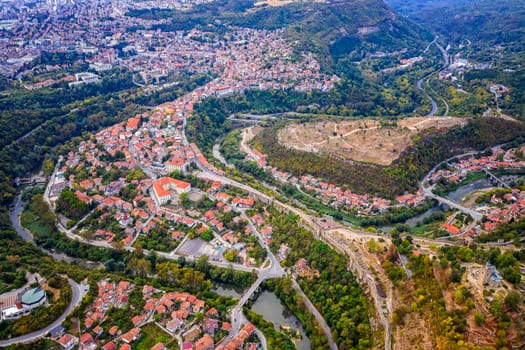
361, 140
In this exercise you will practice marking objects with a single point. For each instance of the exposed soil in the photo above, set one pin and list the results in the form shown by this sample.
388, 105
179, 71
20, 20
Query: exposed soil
361, 140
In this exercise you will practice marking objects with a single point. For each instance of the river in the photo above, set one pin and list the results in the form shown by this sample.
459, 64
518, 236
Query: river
229, 290
413, 221
14, 216
273, 310
458, 195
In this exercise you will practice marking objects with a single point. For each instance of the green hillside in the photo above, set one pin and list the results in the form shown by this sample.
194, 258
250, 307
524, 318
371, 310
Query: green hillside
490, 22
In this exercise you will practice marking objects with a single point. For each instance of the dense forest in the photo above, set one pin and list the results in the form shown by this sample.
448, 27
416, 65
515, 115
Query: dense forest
405, 173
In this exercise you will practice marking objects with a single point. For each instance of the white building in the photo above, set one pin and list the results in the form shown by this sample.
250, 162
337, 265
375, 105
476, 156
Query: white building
28, 300
163, 186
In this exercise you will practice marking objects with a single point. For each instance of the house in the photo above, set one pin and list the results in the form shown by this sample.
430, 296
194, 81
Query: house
451, 229
98, 331
147, 291
210, 325
162, 187
136, 320
301, 265
133, 123
174, 325
68, 341
212, 312
86, 340
158, 346
204, 343
109, 346
187, 346
176, 164
113, 330
132, 335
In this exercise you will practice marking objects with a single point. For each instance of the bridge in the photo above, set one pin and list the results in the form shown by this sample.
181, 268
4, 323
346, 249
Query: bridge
427, 191
495, 180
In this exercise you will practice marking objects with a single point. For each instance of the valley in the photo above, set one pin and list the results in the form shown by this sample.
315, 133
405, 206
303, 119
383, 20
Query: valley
361, 168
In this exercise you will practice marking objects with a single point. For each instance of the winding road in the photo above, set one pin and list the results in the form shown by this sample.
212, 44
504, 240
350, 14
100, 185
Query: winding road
419, 83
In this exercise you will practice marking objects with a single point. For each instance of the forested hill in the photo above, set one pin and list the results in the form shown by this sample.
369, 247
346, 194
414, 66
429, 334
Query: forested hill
333, 29
406, 172
490, 22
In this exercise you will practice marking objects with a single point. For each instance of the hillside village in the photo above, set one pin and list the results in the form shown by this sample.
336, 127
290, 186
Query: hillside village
180, 319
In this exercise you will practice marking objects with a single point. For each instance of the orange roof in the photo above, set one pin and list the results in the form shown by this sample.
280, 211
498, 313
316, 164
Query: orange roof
453, 230
158, 346
204, 343
162, 185
176, 162
133, 123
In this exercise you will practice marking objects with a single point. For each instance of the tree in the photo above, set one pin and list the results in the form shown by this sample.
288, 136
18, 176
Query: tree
185, 200
511, 275
207, 235
48, 166
513, 299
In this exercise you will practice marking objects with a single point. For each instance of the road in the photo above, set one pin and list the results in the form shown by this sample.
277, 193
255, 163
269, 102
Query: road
78, 292
427, 190
311, 307
419, 83
434, 108
275, 269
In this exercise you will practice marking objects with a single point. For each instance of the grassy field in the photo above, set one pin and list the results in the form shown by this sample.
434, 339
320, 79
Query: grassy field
151, 335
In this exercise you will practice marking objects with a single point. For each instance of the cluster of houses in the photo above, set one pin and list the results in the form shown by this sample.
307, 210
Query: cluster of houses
261, 58
500, 208
500, 159
508, 207
334, 195
176, 317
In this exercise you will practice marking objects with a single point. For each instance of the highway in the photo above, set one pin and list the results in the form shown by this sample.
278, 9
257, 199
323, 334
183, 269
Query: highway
434, 104
77, 293
419, 83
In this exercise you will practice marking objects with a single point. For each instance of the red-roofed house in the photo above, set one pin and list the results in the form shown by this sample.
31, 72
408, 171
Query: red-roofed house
86, 339
109, 346
158, 346
133, 123
68, 341
451, 229
132, 335
204, 343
